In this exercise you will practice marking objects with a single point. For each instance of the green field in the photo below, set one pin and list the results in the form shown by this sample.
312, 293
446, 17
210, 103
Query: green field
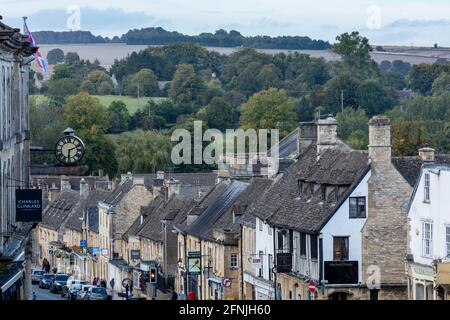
133, 104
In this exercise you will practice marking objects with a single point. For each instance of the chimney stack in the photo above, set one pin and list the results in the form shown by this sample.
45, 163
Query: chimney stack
84, 188
53, 193
307, 135
380, 148
427, 154
173, 187
65, 184
326, 134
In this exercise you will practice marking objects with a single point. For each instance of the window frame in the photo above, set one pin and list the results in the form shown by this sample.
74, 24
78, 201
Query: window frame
343, 250
426, 187
427, 239
314, 239
234, 261
357, 207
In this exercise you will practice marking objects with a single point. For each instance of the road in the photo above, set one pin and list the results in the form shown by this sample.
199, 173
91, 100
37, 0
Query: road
43, 294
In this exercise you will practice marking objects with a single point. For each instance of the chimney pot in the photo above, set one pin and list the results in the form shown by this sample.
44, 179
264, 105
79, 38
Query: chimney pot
427, 154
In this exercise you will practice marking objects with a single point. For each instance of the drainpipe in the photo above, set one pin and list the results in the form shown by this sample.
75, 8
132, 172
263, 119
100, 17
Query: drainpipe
322, 283
274, 264
242, 264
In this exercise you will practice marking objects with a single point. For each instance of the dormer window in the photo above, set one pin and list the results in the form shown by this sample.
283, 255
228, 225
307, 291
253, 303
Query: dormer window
300, 184
323, 192
336, 192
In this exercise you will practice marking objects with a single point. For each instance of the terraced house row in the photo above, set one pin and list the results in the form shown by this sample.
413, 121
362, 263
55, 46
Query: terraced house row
332, 223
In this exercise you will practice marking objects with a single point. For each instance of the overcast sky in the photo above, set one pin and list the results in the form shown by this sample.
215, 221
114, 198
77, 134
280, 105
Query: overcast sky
402, 22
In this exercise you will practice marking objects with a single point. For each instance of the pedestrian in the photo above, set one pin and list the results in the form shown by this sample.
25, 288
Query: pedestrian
94, 282
103, 283
111, 284
174, 295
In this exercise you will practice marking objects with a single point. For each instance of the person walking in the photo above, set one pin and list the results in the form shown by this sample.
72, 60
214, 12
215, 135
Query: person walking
94, 282
174, 295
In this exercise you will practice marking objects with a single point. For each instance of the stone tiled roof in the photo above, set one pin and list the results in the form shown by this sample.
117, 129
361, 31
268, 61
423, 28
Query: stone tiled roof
200, 179
151, 228
58, 212
281, 204
94, 182
89, 203
409, 167
216, 204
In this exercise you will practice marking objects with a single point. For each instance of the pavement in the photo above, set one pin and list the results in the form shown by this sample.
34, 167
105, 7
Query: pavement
45, 294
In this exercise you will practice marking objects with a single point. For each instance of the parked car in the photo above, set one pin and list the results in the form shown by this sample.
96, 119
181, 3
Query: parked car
36, 275
82, 294
46, 280
59, 282
72, 287
97, 293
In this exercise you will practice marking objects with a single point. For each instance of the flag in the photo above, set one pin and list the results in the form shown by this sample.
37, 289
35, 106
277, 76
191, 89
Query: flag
39, 59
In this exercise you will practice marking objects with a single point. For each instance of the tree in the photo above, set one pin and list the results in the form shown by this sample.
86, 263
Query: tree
219, 114
186, 86
269, 109
100, 153
343, 86
58, 90
374, 98
351, 120
355, 52
86, 114
408, 137
101, 82
72, 58
430, 108
441, 84
143, 151
246, 81
268, 77
118, 117
55, 56
421, 77
143, 83
46, 122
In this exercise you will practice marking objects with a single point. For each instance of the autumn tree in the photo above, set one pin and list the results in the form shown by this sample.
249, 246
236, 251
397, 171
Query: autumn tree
408, 137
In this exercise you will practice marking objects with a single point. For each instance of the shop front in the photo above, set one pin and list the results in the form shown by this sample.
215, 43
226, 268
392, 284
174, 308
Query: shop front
422, 282
443, 280
11, 280
215, 287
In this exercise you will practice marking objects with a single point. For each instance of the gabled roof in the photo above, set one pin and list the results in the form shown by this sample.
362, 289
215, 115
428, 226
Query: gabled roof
215, 204
409, 167
58, 212
151, 228
281, 204
117, 195
90, 203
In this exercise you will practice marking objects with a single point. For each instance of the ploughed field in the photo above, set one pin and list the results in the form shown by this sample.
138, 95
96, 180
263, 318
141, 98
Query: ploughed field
107, 53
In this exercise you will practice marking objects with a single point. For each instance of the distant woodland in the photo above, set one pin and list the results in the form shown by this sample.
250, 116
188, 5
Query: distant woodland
159, 36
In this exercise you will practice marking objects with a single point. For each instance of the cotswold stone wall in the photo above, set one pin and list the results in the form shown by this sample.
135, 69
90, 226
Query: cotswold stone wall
384, 242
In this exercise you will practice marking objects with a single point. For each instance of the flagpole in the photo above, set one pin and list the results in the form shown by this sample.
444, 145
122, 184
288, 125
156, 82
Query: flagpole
24, 23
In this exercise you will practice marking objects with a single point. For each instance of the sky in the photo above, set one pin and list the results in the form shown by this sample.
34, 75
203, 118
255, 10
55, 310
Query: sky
384, 22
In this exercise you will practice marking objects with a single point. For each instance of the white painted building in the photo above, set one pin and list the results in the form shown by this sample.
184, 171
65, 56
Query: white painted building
429, 226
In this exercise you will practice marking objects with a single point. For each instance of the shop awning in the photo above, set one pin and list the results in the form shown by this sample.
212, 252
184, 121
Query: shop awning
215, 281
10, 273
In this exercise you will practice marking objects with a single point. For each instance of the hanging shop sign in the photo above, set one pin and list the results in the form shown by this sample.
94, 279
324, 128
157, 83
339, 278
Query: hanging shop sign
28, 205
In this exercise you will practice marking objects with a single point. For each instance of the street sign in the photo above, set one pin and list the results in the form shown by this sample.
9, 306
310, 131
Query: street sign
95, 250
256, 261
284, 262
135, 254
194, 262
105, 252
83, 243
226, 282
28, 205
312, 287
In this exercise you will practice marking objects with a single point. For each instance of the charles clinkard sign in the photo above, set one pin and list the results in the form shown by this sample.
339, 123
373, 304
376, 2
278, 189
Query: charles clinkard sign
28, 205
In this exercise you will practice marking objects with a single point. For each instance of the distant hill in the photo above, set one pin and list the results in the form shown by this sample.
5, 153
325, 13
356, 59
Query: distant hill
159, 36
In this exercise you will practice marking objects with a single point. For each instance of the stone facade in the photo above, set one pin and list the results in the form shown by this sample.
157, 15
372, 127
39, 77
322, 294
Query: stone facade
385, 232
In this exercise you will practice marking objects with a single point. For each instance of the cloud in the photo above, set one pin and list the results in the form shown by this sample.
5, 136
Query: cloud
108, 22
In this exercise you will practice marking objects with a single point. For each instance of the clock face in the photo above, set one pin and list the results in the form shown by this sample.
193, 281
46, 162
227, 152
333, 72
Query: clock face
69, 150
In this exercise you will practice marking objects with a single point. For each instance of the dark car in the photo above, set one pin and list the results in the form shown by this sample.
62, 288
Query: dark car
58, 283
71, 288
72, 292
97, 293
36, 275
46, 280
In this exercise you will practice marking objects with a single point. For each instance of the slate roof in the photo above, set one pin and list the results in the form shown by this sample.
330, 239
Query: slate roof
94, 182
117, 195
151, 228
409, 167
280, 203
243, 205
58, 212
216, 204
89, 203
201, 179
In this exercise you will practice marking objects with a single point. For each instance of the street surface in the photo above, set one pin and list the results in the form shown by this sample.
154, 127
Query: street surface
45, 294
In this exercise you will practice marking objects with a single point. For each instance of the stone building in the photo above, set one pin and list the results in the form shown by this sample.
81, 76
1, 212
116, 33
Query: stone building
15, 52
